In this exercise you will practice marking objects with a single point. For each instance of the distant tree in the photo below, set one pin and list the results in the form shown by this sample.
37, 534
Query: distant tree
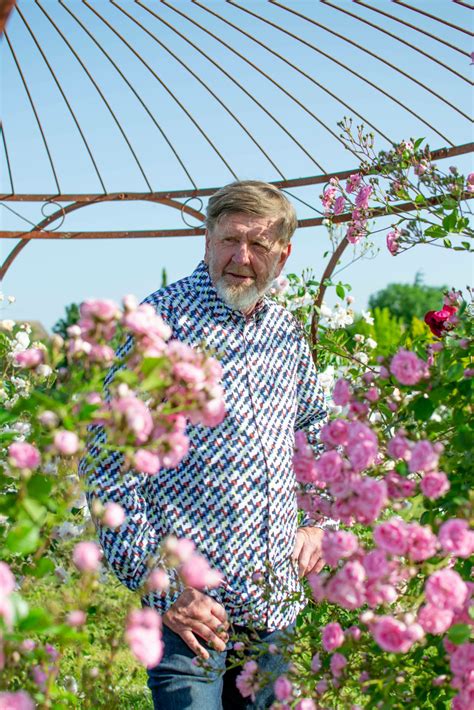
71, 317
407, 300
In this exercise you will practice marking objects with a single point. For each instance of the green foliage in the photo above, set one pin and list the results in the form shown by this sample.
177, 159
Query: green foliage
405, 301
71, 318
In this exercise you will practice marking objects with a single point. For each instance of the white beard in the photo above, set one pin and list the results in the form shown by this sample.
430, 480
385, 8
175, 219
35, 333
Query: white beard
237, 297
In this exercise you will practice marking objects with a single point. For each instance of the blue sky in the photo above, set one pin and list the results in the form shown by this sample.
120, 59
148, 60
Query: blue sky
50, 274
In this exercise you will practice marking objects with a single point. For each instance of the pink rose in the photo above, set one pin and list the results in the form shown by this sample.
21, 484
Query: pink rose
136, 415
423, 457
341, 393
346, 587
197, 573
362, 197
16, 701
353, 182
316, 663
76, 618
213, 412
338, 545
114, 515
283, 688
407, 367
362, 454
456, 538
338, 663
375, 564
392, 536
143, 635
422, 542
434, 484
462, 659
146, 462
399, 486
86, 556
24, 455
29, 358
335, 433
399, 447
339, 205
435, 620
66, 443
439, 322
370, 500
332, 636
7, 580
103, 310
329, 466
392, 241
305, 704
158, 581
445, 589
392, 635
189, 373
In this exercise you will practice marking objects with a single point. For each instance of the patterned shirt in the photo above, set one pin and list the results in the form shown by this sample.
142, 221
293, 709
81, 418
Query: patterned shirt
234, 492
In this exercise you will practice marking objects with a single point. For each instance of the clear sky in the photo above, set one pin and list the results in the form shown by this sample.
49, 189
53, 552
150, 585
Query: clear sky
286, 137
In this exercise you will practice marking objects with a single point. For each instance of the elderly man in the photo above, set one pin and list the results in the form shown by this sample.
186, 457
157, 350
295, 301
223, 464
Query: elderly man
234, 492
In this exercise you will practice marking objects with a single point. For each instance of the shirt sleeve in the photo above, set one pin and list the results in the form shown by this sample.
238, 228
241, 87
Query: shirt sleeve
312, 415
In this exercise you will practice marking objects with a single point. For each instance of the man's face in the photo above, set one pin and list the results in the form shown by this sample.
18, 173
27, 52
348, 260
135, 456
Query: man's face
244, 255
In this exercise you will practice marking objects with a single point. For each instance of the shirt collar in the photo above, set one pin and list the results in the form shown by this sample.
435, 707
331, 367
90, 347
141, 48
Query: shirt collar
208, 296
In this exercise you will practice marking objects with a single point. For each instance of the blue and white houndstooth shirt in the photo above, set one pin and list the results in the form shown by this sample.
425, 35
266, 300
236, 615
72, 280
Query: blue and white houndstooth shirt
234, 492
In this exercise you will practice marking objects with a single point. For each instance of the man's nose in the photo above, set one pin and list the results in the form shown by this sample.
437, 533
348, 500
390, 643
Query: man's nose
242, 254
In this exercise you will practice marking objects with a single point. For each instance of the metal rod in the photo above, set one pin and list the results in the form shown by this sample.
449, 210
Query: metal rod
10, 177
433, 17
439, 154
397, 38
135, 92
32, 104
370, 53
207, 87
101, 94
64, 97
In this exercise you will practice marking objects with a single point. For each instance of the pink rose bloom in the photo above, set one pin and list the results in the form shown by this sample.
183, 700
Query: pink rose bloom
7, 580
456, 538
392, 241
316, 582
158, 581
66, 443
362, 197
316, 663
146, 462
29, 358
282, 688
370, 500
321, 686
136, 415
407, 367
179, 446
354, 632
346, 587
399, 486
338, 545
434, 484
304, 464
213, 412
86, 556
392, 536
114, 515
332, 636
305, 704
335, 433
423, 457
102, 353
76, 618
16, 701
375, 564
189, 373
445, 589
247, 681
338, 663
103, 310
339, 205
197, 573
353, 182
399, 447
362, 454
392, 635
143, 635
435, 620
329, 466
462, 659
341, 393
422, 542
24, 455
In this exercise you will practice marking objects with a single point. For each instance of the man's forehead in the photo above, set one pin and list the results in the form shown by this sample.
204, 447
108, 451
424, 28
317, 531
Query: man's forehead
248, 224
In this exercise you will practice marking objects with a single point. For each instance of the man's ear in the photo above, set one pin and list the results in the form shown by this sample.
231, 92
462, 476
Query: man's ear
286, 251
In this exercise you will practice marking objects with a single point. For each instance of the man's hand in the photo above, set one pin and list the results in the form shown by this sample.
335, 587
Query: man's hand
196, 614
307, 550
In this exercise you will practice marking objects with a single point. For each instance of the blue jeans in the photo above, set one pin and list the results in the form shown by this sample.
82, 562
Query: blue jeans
177, 683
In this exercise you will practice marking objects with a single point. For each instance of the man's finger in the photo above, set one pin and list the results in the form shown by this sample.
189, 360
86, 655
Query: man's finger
206, 633
298, 545
219, 612
191, 641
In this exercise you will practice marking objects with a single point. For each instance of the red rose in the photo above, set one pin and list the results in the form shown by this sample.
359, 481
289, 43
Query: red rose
437, 320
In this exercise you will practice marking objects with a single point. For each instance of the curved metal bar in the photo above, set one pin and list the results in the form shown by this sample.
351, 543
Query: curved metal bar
161, 82
64, 97
417, 29
135, 92
9, 168
32, 104
5, 10
100, 92
464, 4
438, 154
370, 53
203, 83
347, 68
396, 37
276, 54
433, 17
